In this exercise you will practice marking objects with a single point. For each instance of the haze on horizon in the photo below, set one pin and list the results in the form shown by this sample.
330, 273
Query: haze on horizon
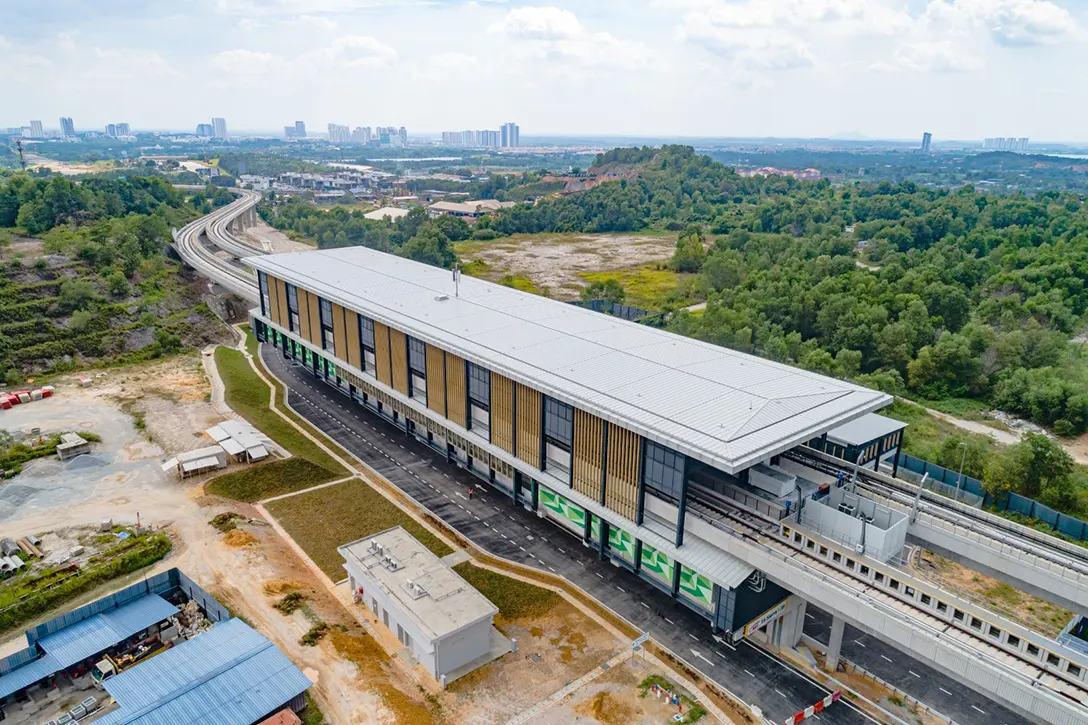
961, 69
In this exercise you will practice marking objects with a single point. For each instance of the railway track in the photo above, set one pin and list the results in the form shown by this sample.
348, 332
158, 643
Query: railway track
1050, 549
196, 254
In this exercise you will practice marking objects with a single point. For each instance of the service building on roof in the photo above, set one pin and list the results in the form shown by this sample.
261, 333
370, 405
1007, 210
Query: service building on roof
439, 617
616, 431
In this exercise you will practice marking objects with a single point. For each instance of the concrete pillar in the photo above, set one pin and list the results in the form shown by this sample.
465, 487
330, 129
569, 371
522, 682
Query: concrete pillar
834, 644
793, 622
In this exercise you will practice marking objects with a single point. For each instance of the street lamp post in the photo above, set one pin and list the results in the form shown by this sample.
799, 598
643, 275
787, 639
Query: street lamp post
963, 458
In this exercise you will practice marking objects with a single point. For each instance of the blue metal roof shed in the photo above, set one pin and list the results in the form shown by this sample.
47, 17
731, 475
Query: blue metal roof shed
229, 675
87, 638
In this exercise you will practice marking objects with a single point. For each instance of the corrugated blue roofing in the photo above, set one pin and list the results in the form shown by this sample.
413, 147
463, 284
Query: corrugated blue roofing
87, 638
230, 675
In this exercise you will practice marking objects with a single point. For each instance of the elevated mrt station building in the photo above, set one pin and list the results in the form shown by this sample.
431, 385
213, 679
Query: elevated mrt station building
629, 437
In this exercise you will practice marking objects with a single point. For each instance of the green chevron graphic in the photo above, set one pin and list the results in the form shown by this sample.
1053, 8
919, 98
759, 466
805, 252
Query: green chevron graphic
622, 543
697, 587
657, 563
564, 508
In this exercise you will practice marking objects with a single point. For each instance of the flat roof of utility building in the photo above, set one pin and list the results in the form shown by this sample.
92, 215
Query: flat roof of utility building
723, 407
439, 601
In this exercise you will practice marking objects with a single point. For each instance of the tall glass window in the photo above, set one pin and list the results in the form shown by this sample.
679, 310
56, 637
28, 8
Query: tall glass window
417, 369
266, 303
662, 471
558, 436
328, 340
292, 308
479, 399
366, 342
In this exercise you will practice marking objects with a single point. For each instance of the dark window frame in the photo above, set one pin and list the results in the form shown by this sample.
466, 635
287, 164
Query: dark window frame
479, 379
266, 300
417, 348
293, 318
559, 423
662, 471
324, 307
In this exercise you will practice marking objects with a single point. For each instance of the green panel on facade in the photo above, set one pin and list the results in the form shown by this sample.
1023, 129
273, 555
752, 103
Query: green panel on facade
622, 543
564, 508
656, 563
595, 529
696, 587
306, 358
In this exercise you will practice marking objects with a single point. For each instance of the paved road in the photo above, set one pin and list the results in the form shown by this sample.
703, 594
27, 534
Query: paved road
493, 522
921, 681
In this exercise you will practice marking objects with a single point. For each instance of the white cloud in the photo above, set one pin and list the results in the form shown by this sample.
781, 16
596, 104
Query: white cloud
315, 22
540, 23
243, 62
1008, 22
941, 56
555, 34
352, 52
453, 63
751, 48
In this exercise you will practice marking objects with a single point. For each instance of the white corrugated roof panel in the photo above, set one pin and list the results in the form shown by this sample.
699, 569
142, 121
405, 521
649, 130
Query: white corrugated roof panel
720, 406
232, 446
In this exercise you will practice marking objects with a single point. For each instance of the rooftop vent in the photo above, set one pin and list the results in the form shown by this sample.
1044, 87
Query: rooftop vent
441, 298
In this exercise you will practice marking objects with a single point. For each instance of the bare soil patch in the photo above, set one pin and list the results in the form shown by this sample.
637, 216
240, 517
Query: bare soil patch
554, 262
272, 240
1027, 609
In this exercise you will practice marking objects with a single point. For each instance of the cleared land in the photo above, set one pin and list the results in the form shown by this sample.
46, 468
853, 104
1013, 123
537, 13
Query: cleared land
555, 263
329, 517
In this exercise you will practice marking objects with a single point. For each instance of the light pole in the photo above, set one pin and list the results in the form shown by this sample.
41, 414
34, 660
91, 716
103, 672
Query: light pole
963, 458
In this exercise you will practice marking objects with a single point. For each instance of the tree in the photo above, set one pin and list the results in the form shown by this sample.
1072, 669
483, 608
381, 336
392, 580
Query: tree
689, 253
609, 290
429, 246
117, 284
1036, 467
77, 294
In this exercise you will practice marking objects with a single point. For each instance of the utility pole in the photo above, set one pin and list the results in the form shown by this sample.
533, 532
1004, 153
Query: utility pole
19, 147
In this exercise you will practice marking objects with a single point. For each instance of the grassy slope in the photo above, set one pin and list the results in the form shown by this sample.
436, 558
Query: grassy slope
269, 479
647, 285
513, 597
327, 518
247, 394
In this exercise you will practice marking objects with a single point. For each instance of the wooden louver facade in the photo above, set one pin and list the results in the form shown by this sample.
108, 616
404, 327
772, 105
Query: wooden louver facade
587, 464
502, 412
621, 482
339, 333
353, 352
381, 354
436, 380
529, 438
398, 346
456, 396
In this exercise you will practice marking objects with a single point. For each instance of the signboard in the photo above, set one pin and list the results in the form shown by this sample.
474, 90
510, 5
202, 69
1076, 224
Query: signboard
768, 616
640, 641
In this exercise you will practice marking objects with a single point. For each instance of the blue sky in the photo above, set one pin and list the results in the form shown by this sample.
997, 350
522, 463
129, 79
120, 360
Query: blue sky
961, 69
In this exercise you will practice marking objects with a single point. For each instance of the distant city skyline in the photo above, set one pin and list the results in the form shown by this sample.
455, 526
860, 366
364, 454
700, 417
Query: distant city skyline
887, 69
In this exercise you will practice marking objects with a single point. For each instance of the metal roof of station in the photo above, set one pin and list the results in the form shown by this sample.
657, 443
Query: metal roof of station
865, 429
723, 407
229, 675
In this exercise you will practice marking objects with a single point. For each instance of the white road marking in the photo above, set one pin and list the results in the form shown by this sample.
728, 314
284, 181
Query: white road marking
915, 674
749, 673
944, 690
645, 604
621, 589
693, 636
599, 576
670, 621
975, 708
889, 659
780, 693
858, 643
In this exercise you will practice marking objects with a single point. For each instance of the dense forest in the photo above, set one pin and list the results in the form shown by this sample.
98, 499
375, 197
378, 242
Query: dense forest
91, 281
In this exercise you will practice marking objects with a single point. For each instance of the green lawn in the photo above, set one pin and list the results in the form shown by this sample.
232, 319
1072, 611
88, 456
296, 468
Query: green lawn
327, 518
247, 394
513, 597
269, 479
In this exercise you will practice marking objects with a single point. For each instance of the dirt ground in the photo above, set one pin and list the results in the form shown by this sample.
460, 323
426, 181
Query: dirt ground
271, 240
1029, 610
555, 261
552, 651
613, 699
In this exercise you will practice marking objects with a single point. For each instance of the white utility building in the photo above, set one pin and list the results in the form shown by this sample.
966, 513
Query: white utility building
438, 616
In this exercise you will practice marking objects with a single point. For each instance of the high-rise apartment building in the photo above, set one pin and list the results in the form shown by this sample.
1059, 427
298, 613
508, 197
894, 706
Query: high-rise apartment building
402, 136
67, 128
205, 130
123, 130
298, 130
482, 138
510, 135
111, 130
927, 138
36, 130
339, 134
361, 135
219, 128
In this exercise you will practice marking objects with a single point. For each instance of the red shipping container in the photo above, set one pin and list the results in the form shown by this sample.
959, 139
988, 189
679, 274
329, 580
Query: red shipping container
5, 404
47, 393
